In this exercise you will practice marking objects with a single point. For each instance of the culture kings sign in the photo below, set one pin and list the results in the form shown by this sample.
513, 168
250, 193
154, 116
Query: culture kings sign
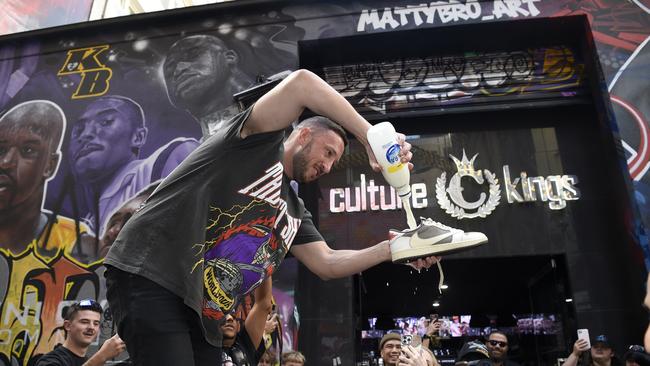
553, 190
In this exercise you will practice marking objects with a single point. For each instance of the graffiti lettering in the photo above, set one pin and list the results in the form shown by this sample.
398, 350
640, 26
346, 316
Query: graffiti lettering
514, 8
95, 76
30, 319
449, 11
455, 79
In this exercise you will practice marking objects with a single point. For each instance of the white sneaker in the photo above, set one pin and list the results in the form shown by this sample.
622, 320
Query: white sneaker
432, 238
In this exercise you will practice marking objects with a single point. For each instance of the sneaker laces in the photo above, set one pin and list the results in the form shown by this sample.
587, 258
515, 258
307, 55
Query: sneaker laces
442, 277
429, 221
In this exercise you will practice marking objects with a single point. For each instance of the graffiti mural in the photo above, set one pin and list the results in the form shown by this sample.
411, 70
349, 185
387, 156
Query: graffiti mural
453, 80
89, 125
90, 121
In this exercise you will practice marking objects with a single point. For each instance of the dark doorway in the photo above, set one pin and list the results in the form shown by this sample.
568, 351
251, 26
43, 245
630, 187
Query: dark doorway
524, 296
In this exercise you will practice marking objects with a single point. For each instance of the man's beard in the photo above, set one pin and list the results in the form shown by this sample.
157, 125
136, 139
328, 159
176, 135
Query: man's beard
496, 358
300, 164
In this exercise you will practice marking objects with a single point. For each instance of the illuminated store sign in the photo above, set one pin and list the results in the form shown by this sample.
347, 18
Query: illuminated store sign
368, 196
371, 197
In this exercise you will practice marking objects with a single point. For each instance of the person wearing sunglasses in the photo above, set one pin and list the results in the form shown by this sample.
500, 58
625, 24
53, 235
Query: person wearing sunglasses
81, 325
497, 345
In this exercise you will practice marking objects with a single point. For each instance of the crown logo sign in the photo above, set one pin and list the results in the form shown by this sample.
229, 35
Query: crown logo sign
451, 198
466, 167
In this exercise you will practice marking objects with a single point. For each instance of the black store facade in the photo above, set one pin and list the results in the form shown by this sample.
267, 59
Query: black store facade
531, 160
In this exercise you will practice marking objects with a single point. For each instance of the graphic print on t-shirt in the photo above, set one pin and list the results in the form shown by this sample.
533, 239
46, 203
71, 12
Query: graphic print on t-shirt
226, 360
245, 243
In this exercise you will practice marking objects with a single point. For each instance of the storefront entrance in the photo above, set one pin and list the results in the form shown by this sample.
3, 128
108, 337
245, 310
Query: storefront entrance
526, 297
511, 140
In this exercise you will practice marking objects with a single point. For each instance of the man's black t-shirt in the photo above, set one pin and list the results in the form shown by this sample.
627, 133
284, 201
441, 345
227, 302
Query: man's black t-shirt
242, 352
61, 356
218, 225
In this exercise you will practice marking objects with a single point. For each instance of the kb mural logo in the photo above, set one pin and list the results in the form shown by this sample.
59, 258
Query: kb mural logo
554, 189
95, 76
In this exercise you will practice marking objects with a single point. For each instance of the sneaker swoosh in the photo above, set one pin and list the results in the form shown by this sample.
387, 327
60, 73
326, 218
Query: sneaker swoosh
416, 241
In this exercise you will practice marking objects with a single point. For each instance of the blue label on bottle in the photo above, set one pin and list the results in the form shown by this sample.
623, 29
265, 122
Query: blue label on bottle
392, 154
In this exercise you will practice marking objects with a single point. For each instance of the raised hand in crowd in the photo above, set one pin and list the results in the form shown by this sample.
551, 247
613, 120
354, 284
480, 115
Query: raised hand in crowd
579, 347
271, 323
411, 357
432, 334
111, 348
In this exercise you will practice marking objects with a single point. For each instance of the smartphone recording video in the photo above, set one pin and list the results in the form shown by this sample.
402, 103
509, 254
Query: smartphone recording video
407, 339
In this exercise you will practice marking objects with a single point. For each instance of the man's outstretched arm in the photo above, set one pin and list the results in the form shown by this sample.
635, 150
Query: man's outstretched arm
284, 104
328, 263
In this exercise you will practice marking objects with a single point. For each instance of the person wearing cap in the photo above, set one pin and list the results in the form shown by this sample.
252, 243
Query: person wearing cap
601, 353
497, 346
394, 354
473, 353
81, 325
636, 356
390, 347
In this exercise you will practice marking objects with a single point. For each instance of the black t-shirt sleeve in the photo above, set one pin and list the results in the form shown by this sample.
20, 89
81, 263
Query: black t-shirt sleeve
232, 139
236, 123
246, 345
49, 360
259, 352
307, 232
57, 357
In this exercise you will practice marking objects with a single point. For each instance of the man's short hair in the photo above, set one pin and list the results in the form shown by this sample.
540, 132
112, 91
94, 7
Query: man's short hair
70, 311
323, 124
131, 108
200, 40
43, 117
498, 332
203, 41
293, 356
269, 355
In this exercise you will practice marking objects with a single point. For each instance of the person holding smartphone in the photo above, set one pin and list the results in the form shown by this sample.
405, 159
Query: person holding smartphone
600, 354
431, 338
410, 356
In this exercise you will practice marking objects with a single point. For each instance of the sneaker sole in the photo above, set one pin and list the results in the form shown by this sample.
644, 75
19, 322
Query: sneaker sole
439, 249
